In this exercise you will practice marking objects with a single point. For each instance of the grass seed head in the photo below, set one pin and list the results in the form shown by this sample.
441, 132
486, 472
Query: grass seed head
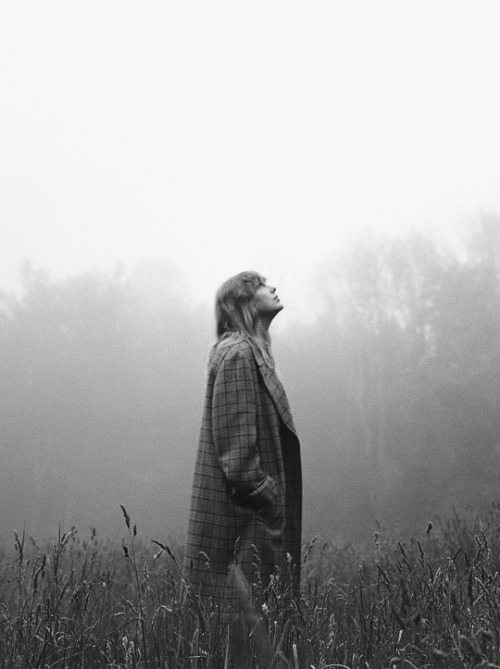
125, 515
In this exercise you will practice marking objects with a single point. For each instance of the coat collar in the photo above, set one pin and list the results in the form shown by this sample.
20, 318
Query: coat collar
274, 386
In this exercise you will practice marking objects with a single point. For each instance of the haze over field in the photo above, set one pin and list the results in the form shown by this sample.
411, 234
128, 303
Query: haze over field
150, 151
394, 388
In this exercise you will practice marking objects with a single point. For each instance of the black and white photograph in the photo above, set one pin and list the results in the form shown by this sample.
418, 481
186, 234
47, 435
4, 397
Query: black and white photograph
249, 334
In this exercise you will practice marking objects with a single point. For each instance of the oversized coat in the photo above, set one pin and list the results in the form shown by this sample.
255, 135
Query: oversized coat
246, 505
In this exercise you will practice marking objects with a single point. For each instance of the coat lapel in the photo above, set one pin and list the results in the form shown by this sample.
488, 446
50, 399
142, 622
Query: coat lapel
274, 387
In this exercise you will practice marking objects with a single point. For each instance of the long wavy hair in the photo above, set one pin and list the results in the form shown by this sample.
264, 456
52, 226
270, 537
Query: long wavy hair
236, 314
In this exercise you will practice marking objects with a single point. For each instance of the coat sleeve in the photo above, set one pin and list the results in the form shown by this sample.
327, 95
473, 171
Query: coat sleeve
234, 425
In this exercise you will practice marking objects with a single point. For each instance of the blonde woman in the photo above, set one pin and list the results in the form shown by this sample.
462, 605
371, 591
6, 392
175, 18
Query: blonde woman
246, 504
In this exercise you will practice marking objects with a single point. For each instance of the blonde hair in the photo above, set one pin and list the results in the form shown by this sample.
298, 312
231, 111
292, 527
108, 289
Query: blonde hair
236, 314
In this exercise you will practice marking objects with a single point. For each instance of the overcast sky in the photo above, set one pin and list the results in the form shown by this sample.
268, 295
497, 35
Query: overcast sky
231, 135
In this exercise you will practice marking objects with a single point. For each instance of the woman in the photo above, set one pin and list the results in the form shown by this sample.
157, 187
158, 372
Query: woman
246, 506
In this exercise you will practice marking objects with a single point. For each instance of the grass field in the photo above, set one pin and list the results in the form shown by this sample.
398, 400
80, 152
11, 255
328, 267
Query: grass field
426, 601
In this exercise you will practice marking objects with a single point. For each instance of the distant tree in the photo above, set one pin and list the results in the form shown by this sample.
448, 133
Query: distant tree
412, 333
102, 379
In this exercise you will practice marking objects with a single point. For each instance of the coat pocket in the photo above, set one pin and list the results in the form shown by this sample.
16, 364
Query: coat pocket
263, 495
271, 514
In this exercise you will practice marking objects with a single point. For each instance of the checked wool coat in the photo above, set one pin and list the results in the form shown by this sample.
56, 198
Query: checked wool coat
247, 487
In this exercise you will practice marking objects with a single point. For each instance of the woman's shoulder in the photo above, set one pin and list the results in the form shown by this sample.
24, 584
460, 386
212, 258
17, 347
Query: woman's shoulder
233, 346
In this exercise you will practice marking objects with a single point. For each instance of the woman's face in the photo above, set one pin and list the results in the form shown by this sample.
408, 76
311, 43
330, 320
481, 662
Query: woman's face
267, 301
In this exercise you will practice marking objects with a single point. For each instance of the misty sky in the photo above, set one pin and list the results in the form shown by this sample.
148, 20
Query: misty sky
226, 135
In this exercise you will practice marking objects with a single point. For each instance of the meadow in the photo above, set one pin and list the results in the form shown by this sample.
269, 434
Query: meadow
420, 601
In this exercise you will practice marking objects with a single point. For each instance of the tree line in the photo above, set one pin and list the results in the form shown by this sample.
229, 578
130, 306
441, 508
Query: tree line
394, 386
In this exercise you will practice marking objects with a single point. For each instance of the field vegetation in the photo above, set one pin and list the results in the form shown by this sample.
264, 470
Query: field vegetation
424, 601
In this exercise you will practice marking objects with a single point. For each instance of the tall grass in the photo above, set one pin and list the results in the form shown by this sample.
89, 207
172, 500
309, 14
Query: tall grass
427, 601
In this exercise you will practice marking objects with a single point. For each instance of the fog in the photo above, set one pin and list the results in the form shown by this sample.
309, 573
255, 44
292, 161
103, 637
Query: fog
394, 386
293, 139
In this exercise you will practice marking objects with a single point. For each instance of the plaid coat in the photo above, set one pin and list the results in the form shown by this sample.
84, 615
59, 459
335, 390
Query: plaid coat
247, 487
